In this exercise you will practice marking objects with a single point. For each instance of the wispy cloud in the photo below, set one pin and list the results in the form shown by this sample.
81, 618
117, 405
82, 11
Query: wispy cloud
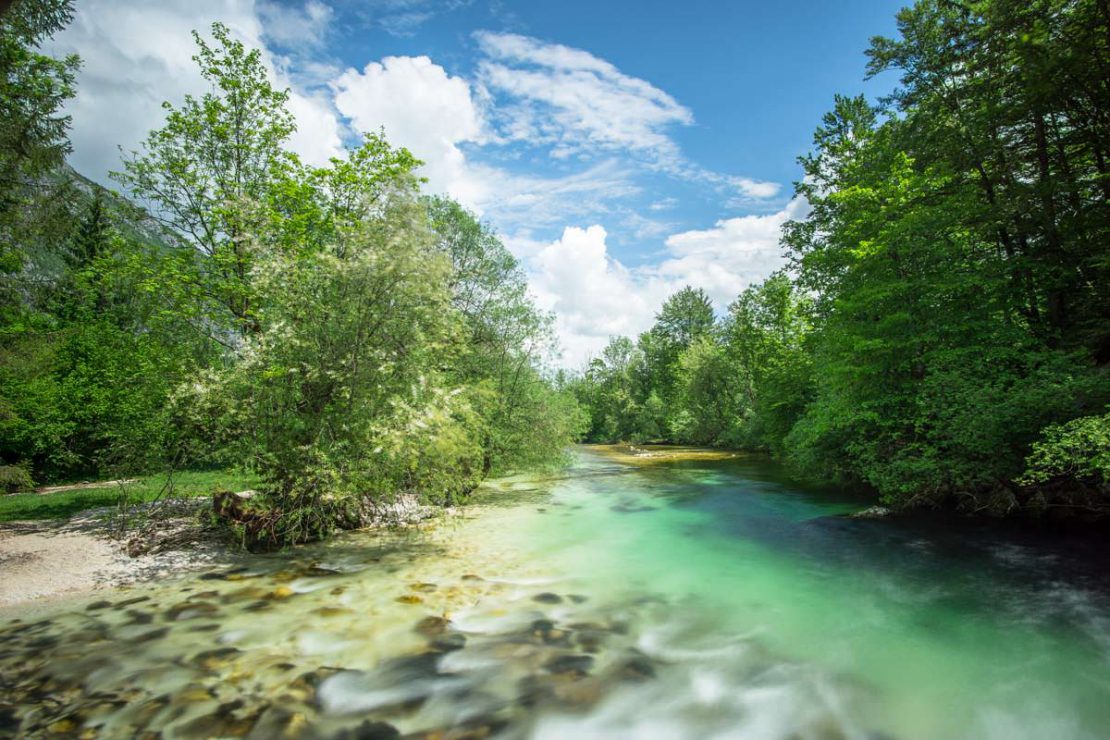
301, 27
576, 102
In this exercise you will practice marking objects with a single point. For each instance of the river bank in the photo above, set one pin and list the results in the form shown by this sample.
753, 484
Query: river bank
43, 561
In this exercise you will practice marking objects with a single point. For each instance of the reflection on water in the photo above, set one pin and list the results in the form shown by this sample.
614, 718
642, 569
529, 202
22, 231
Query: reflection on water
695, 599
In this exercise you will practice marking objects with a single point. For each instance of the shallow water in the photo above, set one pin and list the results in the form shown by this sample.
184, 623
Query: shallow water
688, 599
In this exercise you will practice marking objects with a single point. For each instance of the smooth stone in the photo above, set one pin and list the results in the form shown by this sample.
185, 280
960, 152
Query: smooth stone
431, 626
637, 668
157, 634
191, 610
590, 640
548, 598
449, 643
211, 660
577, 664
577, 598
370, 731
97, 605
630, 508
130, 602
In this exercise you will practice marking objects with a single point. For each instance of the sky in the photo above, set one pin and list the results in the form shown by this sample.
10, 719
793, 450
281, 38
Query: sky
622, 149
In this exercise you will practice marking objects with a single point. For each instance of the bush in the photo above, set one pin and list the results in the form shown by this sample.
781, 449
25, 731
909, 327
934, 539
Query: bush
15, 478
1075, 454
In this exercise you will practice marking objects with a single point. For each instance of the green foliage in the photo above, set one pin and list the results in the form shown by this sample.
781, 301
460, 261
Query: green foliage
1076, 454
528, 421
15, 478
33, 135
944, 308
210, 168
66, 503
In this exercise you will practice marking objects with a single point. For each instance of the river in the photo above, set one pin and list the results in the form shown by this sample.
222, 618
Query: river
705, 596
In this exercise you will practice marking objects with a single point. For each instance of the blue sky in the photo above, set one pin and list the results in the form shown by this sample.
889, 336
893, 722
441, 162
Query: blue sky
621, 149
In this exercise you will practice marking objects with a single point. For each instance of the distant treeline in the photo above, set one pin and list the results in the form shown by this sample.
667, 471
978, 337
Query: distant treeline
942, 332
327, 328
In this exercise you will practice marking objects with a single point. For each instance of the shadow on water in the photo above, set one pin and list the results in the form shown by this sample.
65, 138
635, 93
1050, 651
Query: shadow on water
1004, 571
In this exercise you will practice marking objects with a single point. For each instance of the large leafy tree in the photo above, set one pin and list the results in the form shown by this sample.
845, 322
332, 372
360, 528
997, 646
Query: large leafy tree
507, 341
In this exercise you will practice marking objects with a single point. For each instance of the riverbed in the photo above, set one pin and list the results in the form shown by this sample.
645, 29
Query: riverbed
691, 596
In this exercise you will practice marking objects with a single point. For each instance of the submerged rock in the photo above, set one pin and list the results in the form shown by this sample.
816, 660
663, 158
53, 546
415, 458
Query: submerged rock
370, 731
574, 664
449, 643
431, 626
211, 660
637, 668
548, 598
191, 610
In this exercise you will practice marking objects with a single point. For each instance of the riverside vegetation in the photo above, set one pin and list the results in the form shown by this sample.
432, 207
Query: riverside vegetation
941, 334
328, 329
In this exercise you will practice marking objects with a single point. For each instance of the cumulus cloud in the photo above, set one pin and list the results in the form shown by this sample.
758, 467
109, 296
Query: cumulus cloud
592, 295
595, 297
137, 54
421, 107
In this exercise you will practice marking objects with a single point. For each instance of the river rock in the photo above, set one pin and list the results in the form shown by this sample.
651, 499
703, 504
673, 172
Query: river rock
431, 626
212, 660
548, 598
872, 512
370, 731
579, 665
190, 610
637, 668
449, 643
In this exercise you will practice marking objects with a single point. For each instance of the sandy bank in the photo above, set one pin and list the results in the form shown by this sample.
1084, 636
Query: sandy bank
42, 560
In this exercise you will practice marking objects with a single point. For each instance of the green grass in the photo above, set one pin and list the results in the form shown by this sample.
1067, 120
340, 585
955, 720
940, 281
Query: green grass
64, 504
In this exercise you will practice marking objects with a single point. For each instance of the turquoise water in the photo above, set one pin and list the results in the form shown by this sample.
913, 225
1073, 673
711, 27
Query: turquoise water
703, 598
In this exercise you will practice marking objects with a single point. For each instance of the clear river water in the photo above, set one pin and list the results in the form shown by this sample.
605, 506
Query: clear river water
704, 596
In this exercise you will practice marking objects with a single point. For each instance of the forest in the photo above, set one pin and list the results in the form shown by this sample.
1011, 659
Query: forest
940, 336
942, 332
332, 331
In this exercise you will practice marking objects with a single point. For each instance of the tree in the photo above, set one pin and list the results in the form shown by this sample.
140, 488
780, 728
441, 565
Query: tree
340, 397
33, 131
529, 421
209, 171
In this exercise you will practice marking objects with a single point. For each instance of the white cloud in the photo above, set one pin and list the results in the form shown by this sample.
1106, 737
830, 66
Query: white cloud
574, 101
295, 27
595, 297
729, 257
136, 54
422, 108
435, 115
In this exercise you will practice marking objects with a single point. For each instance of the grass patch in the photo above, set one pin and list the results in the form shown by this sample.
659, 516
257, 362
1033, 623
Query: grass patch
64, 504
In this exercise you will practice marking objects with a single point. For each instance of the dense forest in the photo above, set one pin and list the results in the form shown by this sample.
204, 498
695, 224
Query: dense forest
942, 331
330, 329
